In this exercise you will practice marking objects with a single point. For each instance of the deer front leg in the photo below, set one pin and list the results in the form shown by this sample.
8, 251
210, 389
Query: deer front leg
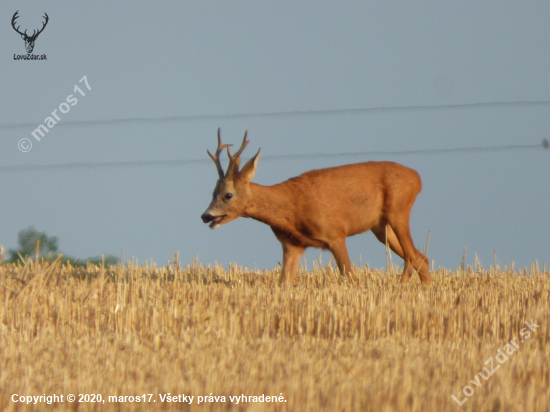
292, 253
291, 259
340, 253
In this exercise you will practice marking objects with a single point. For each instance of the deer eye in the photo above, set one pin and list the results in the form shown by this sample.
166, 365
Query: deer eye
228, 196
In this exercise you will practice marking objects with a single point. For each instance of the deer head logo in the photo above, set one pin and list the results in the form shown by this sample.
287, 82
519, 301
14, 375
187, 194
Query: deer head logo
29, 40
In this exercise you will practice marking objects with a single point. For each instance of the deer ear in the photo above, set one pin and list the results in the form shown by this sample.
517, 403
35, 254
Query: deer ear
249, 169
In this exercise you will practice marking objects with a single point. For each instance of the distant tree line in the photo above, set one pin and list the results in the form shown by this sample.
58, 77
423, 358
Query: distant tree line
32, 243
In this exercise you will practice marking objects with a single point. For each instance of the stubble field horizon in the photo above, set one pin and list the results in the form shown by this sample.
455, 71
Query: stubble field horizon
227, 335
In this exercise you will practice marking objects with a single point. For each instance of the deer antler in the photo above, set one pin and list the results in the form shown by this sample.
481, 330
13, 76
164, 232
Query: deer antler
15, 16
34, 33
216, 157
235, 161
43, 27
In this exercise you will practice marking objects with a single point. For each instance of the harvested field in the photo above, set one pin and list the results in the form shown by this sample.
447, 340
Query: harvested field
323, 345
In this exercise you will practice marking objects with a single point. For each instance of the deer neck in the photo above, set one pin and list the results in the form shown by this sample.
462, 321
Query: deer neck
270, 205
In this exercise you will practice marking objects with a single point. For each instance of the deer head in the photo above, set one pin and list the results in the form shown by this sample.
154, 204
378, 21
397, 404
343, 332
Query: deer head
231, 193
29, 40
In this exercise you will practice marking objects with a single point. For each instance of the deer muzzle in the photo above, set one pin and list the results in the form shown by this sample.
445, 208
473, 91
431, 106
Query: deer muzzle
207, 217
213, 220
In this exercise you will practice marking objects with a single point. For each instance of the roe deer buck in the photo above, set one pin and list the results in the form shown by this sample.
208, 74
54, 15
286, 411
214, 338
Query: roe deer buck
320, 208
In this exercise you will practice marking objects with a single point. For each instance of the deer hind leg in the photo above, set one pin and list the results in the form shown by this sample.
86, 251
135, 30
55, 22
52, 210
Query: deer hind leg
340, 253
400, 242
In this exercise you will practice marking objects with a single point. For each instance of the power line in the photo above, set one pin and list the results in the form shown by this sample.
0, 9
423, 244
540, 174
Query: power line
183, 162
523, 103
417, 152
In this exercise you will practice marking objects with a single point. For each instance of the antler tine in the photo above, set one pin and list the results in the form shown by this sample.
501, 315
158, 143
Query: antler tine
15, 16
44, 26
216, 157
235, 161
243, 145
35, 33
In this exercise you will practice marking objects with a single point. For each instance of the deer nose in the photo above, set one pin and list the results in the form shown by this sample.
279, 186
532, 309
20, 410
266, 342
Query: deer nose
207, 217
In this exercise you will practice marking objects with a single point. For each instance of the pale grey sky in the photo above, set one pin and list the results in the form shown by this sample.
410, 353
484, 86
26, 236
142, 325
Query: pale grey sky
145, 60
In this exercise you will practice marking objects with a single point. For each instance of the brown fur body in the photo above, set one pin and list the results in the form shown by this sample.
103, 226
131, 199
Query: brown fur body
320, 208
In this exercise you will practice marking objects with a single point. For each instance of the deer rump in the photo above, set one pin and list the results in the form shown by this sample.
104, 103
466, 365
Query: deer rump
320, 208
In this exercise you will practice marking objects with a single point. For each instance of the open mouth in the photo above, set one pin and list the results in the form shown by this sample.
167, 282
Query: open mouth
215, 222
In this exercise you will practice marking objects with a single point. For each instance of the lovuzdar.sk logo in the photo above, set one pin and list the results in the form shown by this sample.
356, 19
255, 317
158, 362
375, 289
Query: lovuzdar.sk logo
29, 40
